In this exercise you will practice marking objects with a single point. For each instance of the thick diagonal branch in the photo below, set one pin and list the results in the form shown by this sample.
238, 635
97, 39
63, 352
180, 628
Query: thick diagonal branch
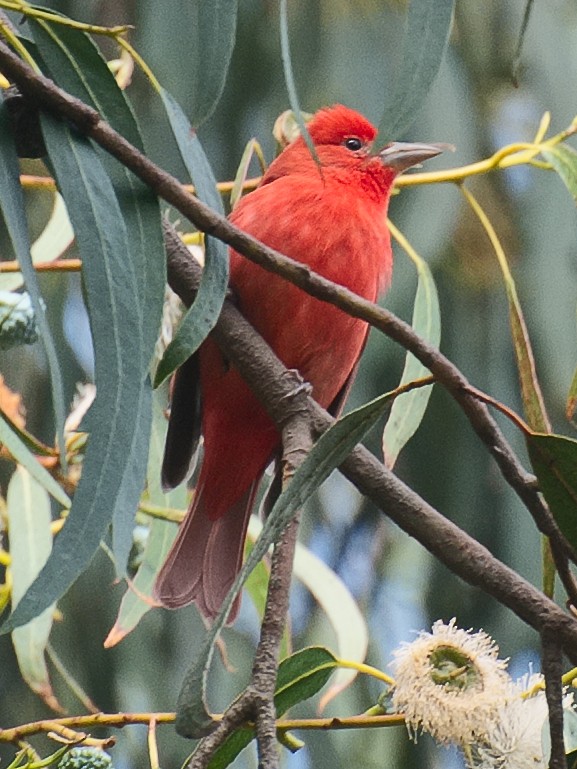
457, 550
43, 92
460, 553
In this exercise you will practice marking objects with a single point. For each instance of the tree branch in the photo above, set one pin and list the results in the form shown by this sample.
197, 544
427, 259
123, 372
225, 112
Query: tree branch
466, 557
43, 92
268, 378
552, 671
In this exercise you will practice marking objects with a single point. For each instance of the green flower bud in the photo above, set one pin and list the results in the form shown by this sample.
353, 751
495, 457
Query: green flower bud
85, 758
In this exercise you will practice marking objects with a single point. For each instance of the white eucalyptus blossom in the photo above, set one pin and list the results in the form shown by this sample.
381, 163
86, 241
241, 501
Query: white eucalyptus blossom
451, 683
515, 742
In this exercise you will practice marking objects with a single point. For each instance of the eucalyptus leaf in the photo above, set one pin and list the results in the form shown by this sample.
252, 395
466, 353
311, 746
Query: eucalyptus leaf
22, 454
137, 600
564, 160
409, 409
290, 81
202, 316
111, 465
12, 207
300, 676
426, 38
29, 520
554, 462
211, 39
76, 64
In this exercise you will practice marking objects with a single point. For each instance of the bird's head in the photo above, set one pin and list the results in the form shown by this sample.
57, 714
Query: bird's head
344, 142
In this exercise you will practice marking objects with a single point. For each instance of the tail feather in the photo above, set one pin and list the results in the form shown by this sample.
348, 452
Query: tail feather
205, 557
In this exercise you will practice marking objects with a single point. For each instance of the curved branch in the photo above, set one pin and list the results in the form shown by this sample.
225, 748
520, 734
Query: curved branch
462, 554
264, 372
46, 94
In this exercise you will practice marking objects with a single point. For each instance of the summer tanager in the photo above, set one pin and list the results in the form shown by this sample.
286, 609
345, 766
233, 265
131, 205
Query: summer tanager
333, 217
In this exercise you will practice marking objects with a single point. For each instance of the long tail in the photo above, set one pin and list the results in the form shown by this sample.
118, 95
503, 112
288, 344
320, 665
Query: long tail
205, 557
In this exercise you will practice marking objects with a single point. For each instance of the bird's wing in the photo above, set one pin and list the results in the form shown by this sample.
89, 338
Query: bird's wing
184, 427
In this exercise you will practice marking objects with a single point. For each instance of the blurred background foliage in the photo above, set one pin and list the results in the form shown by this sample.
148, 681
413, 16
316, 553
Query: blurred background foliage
348, 51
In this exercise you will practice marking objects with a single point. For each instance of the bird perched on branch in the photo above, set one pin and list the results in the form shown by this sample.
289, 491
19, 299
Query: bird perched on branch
329, 212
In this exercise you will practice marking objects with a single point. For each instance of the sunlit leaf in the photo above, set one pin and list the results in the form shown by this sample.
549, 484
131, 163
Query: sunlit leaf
252, 148
408, 409
426, 37
342, 611
569, 733
202, 316
29, 519
137, 600
534, 405
554, 461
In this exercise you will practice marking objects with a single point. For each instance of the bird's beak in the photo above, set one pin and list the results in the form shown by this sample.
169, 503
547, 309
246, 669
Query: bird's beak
401, 155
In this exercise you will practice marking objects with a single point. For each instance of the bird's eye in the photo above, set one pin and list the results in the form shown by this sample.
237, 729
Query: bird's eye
353, 143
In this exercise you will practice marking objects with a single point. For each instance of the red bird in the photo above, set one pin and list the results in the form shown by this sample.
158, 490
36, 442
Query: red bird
333, 218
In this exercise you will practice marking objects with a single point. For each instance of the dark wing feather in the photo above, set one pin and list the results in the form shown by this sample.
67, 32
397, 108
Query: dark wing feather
184, 427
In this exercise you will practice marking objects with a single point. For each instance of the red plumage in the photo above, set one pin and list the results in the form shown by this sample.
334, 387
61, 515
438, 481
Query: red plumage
333, 218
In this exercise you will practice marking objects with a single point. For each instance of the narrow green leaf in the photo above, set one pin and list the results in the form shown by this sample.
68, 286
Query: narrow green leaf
252, 148
30, 441
193, 719
202, 316
531, 394
29, 520
290, 81
137, 600
408, 409
564, 160
554, 462
426, 38
26, 458
211, 38
300, 676
519, 49
12, 206
75, 63
230, 749
133, 478
116, 416
533, 402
